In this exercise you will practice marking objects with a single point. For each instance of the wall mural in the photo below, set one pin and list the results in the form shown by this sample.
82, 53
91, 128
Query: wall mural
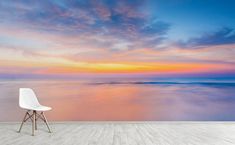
119, 60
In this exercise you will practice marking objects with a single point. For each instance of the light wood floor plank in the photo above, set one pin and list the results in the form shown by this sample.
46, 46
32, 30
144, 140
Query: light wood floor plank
121, 133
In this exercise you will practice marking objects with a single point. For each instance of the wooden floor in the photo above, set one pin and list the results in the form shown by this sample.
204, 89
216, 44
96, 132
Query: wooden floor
121, 133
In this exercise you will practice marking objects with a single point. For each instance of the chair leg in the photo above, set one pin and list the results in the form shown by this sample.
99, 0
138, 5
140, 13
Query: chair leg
45, 120
23, 121
33, 123
36, 121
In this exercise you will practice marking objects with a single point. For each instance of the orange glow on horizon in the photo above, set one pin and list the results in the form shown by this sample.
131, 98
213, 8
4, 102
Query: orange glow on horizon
135, 68
69, 67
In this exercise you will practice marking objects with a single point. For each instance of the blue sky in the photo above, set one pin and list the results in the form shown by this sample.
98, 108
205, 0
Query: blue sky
192, 18
178, 19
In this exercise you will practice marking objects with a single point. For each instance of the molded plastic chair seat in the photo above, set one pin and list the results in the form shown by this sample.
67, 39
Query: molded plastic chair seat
28, 100
38, 108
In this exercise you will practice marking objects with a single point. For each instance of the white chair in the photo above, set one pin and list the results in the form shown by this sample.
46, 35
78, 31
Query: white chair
29, 101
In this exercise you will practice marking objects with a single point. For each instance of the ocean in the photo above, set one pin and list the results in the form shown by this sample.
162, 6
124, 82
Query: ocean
124, 99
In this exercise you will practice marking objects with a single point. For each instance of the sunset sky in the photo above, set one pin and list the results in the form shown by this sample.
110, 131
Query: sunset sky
99, 37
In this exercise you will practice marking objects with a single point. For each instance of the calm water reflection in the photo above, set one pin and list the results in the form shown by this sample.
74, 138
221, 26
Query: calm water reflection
74, 100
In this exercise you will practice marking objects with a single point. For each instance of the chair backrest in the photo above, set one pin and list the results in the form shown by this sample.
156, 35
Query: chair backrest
27, 98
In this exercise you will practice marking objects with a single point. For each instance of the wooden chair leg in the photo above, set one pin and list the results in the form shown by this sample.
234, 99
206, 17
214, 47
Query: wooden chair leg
23, 121
36, 121
45, 120
33, 123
